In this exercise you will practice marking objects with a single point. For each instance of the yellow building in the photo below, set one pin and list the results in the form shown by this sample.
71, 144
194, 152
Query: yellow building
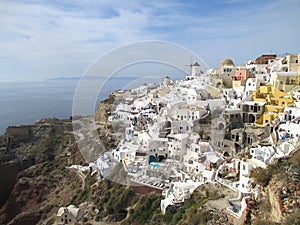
275, 101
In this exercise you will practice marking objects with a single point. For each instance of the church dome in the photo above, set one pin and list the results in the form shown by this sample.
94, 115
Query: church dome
227, 62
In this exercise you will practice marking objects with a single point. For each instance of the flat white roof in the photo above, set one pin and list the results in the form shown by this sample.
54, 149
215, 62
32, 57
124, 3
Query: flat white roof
287, 73
253, 103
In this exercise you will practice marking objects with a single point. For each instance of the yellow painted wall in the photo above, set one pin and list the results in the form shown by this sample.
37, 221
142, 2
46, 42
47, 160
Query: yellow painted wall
275, 100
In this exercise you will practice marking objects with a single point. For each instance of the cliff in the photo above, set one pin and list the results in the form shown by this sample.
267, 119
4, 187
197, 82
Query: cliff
279, 201
34, 180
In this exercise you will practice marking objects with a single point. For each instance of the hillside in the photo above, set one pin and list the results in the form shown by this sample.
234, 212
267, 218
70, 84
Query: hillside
279, 200
35, 181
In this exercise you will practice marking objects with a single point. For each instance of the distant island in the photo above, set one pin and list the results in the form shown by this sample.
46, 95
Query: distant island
90, 77
64, 78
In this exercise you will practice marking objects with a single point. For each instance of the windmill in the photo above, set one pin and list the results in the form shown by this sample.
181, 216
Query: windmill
190, 65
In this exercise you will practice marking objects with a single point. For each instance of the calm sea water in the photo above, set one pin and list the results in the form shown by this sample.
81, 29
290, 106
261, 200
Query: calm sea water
26, 102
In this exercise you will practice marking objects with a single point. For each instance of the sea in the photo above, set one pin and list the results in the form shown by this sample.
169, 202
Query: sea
26, 102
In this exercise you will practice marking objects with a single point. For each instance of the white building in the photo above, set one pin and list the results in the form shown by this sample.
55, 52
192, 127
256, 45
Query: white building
252, 84
260, 72
245, 168
177, 145
103, 165
180, 127
158, 149
289, 130
191, 96
289, 113
177, 194
70, 215
125, 152
189, 113
263, 153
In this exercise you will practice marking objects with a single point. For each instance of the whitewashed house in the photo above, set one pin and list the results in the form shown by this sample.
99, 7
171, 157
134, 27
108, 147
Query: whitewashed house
70, 215
245, 168
289, 113
189, 113
264, 154
180, 127
252, 84
158, 149
191, 96
125, 152
289, 130
177, 145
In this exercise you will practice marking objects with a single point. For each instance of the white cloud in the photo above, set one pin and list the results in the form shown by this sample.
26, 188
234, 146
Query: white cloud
61, 38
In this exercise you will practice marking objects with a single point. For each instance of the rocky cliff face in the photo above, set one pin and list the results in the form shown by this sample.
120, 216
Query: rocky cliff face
17, 134
279, 201
101, 113
34, 180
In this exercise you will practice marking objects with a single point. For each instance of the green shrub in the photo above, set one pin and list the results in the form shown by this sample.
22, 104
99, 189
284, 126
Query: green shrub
261, 176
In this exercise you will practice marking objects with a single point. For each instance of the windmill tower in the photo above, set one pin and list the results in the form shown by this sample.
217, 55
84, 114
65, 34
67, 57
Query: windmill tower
195, 69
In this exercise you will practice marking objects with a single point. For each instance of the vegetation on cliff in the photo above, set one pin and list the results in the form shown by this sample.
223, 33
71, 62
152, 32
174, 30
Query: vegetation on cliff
35, 181
279, 202
39, 182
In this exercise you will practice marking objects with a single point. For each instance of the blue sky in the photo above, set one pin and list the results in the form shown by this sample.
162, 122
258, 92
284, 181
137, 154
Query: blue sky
44, 39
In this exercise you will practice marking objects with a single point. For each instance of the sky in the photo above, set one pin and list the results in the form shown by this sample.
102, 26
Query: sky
46, 39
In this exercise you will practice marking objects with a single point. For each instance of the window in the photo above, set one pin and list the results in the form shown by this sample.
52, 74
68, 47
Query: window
244, 167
